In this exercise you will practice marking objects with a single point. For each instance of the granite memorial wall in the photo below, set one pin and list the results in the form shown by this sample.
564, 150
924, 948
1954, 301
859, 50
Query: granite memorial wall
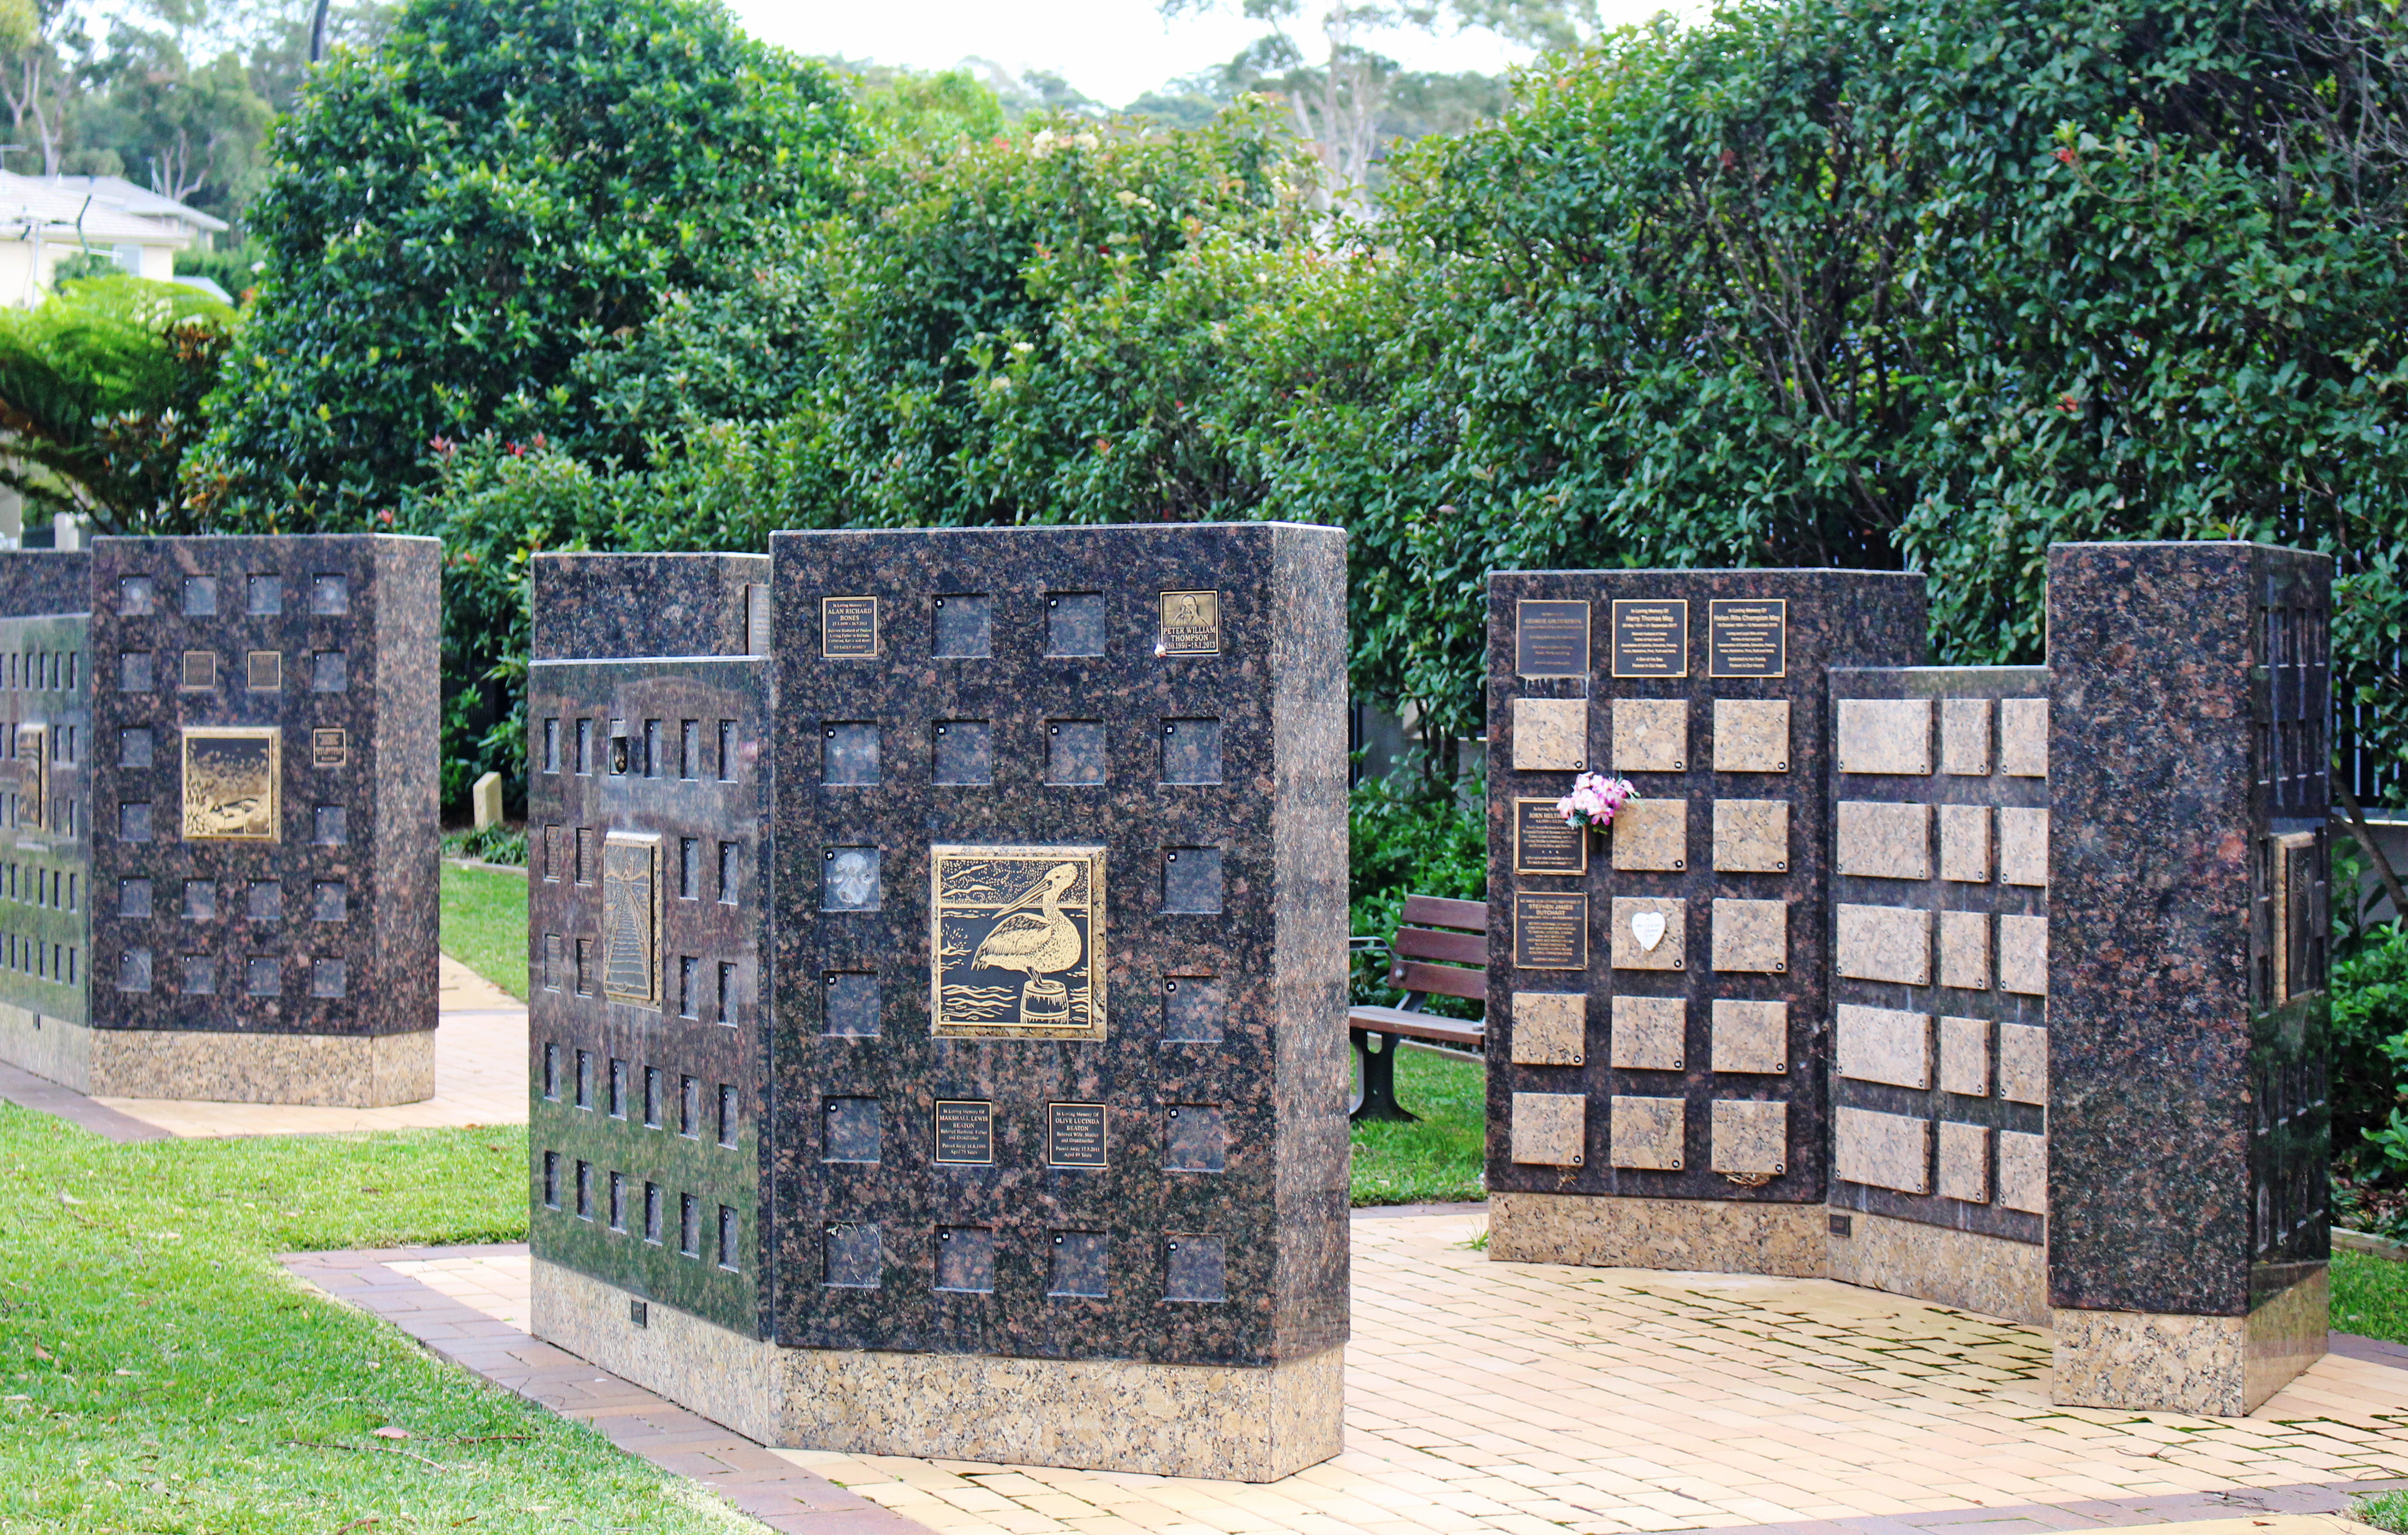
1039, 1142
220, 764
1997, 986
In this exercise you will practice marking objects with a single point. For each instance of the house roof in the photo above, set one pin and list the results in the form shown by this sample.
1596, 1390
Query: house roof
122, 194
32, 207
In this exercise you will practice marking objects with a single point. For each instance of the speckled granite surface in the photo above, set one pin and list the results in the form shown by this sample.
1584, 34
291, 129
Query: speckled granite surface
1225, 1151
45, 581
1700, 739
2187, 1146
629, 606
1716, 1236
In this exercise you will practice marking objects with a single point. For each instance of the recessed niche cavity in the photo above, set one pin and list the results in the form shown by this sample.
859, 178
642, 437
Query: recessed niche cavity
965, 626
1191, 751
853, 1129
1080, 1264
1074, 752
850, 754
852, 1254
964, 752
1195, 1269
1074, 624
1195, 1009
1194, 1139
966, 1258
1190, 880
851, 1006
849, 879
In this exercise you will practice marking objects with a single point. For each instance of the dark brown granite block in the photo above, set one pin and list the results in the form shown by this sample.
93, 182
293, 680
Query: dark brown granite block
630, 606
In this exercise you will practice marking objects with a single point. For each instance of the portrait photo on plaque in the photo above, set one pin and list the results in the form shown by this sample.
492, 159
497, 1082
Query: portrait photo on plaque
1017, 936
1542, 844
233, 783
1747, 636
1651, 636
849, 628
631, 918
1191, 623
1550, 639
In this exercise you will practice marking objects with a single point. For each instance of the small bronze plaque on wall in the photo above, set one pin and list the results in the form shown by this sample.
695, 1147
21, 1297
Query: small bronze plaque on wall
1550, 931
1747, 638
1551, 639
1542, 844
1074, 1135
849, 628
964, 1131
1651, 636
33, 753
631, 918
328, 748
233, 783
1191, 623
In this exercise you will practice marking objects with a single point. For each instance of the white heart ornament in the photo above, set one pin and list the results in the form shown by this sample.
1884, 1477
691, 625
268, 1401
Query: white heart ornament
1648, 928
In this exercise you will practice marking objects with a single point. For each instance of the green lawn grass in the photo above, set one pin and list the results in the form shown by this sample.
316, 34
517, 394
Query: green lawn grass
159, 1372
1438, 1159
2369, 1295
485, 925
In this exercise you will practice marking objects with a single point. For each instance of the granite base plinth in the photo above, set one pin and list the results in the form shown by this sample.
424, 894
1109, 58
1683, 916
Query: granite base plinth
1992, 1275
316, 1071
1222, 1422
2215, 1366
1714, 1236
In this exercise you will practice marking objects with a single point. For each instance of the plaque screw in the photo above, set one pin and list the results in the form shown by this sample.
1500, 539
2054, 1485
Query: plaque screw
831, 1106
1676, 1063
1174, 1113
940, 602
1676, 1162
1780, 766
1053, 729
1577, 766
1778, 1168
1577, 1061
1678, 765
1174, 1247
944, 1236
1171, 985
940, 730
1053, 602
1680, 964
1576, 1160
1170, 730
1782, 865
831, 855
1173, 857
1678, 864
831, 732
1780, 965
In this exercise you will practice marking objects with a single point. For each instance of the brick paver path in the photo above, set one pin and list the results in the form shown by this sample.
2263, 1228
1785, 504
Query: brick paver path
1533, 1399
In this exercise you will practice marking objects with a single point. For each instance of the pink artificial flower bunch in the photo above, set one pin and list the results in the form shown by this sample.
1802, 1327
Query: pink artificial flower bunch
1594, 799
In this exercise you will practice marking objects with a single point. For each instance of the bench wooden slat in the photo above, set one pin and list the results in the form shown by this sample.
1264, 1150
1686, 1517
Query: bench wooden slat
1416, 1025
1435, 943
1445, 980
1439, 911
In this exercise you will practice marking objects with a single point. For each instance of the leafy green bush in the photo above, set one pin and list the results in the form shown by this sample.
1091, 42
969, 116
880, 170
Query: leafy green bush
499, 843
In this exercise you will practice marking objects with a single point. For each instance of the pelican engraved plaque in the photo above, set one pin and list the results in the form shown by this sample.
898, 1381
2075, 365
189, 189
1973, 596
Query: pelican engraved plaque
1017, 933
631, 918
232, 778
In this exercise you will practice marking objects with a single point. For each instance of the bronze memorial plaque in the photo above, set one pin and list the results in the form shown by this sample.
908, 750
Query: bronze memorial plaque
1747, 636
1074, 1135
1542, 844
328, 748
1191, 623
1550, 932
964, 1131
849, 628
33, 774
1551, 639
1017, 940
1651, 636
631, 918
232, 779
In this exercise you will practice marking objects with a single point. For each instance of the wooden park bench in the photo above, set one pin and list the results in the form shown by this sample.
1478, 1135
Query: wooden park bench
1441, 946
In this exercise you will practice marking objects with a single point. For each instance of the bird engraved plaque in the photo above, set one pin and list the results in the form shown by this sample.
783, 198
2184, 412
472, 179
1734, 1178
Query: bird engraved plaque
1017, 936
231, 783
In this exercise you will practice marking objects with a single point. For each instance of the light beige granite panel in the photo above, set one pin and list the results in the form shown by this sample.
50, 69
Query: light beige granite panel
1751, 735
714, 1370
1885, 943
1652, 834
1650, 1033
2213, 1366
1883, 1150
322, 1071
1550, 1028
1751, 1037
1964, 1162
1965, 1056
1751, 836
1550, 1129
1630, 952
1965, 844
1750, 937
1550, 735
1651, 735
1751, 1137
1885, 736
1647, 1132
2023, 846
1990, 1275
2023, 956
1965, 950
1713, 1236
1965, 736
1882, 840
1882, 1044
50, 1048
2023, 737
2023, 1063
2023, 1171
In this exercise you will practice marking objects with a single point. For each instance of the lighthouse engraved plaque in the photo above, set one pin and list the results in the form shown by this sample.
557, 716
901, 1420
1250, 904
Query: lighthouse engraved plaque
1015, 939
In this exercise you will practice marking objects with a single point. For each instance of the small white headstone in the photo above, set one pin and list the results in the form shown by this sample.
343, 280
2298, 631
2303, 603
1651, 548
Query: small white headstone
486, 798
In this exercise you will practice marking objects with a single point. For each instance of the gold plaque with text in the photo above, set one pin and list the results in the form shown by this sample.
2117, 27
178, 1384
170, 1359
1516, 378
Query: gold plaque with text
1017, 940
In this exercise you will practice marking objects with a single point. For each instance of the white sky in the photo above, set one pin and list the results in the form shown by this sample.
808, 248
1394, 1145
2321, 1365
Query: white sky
1114, 50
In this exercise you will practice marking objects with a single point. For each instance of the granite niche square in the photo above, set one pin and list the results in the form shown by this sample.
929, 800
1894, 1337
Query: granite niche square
1650, 1033
1650, 933
1651, 833
1651, 735
1550, 1028
1550, 735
